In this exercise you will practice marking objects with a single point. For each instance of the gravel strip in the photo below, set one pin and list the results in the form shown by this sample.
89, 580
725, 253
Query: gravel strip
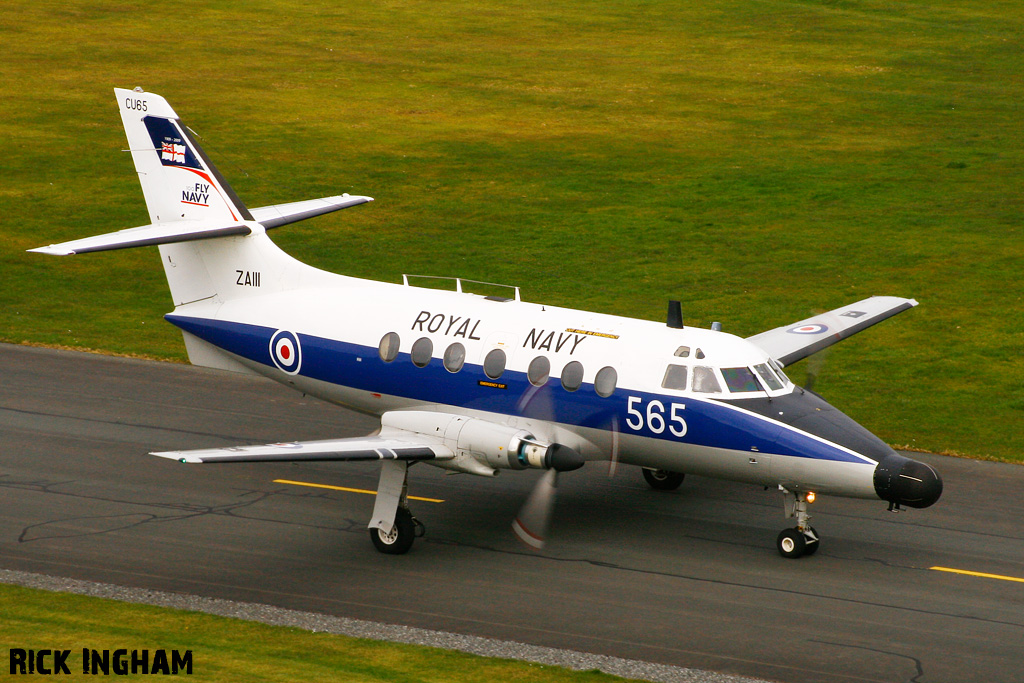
357, 628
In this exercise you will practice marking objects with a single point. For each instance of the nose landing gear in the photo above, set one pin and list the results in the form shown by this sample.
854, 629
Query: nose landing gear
802, 539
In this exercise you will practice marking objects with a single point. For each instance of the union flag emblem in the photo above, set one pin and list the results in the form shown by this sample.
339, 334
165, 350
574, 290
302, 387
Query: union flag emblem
173, 152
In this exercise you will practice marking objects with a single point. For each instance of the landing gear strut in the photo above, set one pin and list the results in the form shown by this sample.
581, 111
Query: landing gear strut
393, 528
802, 539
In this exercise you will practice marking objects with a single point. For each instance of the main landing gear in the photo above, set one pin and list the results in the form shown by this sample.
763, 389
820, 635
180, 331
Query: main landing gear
802, 539
663, 480
393, 528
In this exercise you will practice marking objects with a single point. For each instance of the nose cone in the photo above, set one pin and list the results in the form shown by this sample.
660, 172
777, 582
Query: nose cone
897, 479
907, 482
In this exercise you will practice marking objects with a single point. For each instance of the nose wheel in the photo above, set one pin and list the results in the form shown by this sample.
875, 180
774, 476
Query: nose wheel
802, 539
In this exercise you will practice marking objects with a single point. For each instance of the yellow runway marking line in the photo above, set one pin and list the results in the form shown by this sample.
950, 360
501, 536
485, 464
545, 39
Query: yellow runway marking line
979, 574
347, 490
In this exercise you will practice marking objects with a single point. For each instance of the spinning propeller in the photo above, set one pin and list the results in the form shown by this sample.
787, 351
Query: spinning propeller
534, 518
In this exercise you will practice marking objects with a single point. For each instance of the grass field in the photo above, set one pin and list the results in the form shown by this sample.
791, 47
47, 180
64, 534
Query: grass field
226, 650
760, 160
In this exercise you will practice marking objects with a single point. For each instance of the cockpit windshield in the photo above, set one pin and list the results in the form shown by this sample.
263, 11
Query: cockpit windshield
740, 380
768, 376
703, 379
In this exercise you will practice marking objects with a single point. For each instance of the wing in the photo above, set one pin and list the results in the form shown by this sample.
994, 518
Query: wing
790, 343
416, 447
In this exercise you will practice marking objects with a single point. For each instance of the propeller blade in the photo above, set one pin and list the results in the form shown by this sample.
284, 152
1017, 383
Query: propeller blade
814, 365
613, 461
531, 524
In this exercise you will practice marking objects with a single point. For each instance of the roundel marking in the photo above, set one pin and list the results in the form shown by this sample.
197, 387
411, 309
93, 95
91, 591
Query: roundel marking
286, 352
814, 328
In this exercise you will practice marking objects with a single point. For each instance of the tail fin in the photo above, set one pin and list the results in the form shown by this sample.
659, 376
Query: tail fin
187, 198
211, 246
178, 179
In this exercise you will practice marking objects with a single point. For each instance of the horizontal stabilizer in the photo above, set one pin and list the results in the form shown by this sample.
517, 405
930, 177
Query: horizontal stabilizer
283, 214
790, 343
145, 236
348, 450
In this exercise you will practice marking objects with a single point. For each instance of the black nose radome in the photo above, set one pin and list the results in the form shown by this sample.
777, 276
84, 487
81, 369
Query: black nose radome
907, 482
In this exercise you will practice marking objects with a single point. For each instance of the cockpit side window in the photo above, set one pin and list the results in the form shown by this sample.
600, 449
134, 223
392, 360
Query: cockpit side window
768, 376
778, 368
683, 352
740, 380
675, 377
705, 381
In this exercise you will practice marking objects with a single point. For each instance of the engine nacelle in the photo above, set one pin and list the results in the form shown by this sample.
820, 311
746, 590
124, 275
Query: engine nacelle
485, 442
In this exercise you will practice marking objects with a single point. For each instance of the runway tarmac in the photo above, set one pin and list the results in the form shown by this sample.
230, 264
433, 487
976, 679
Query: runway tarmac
689, 578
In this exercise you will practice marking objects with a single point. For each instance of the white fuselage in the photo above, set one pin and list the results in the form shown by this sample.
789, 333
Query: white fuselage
337, 326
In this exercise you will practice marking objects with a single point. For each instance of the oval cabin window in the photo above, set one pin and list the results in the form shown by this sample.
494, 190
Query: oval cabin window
494, 363
388, 348
422, 349
572, 376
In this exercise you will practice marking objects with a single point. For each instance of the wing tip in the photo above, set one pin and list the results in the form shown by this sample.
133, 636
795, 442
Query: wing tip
52, 250
177, 455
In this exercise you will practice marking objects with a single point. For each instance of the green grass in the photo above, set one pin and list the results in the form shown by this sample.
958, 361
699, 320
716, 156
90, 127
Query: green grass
232, 650
760, 160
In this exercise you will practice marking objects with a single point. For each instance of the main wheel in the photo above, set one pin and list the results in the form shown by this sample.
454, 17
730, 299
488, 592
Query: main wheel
401, 537
791, 543
663, 480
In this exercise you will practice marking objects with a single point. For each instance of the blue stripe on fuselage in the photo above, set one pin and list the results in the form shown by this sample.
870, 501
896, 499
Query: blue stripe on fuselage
708, 422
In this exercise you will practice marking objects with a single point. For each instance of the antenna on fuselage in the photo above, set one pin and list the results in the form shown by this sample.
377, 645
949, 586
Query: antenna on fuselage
675, 315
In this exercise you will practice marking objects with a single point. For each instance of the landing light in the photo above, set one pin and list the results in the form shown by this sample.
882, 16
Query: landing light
811, 496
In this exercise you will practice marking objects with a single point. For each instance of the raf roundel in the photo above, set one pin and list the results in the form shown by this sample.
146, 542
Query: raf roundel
814, 328
286, 352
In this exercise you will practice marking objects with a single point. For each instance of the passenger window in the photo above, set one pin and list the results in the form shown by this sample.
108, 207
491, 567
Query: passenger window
539, 371
422, 349
454, 357
572, 376
388, 348
675, 378
604, 383
494, 363
705, 381
683, 352
768, 376
740, 380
